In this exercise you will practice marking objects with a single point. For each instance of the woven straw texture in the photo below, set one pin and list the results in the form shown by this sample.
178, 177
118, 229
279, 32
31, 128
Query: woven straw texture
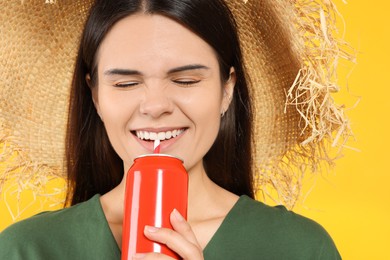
289, 50
272, 68
37, 48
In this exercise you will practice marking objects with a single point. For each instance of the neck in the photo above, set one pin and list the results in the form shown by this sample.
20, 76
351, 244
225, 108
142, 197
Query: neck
200, 190
208, 204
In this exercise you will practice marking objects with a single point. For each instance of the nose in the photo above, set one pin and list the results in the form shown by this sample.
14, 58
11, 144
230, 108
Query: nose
155, 103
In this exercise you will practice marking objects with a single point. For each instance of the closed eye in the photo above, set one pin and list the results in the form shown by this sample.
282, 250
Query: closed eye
128, 84
186, 82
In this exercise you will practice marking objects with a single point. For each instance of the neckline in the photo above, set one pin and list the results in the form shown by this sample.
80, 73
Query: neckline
223, 224
106, 225
225, 221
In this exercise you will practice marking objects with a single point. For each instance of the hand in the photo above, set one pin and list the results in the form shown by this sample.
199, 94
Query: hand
181, 239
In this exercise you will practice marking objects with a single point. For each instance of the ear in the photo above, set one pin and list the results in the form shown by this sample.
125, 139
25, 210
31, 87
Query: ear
94, 92
228, 90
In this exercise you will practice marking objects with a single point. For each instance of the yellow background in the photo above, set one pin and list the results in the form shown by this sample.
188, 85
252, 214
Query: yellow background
353, 201
353, 204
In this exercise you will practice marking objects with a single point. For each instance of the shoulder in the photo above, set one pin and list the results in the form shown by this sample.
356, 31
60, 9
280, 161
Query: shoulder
275, 232
50, 233
51, 221
277, 219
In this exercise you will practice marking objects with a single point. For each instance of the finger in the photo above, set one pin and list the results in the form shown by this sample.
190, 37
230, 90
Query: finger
180, 225
175, 241
154, 256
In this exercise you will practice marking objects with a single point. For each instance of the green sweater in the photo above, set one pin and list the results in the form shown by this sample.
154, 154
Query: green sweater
251, 230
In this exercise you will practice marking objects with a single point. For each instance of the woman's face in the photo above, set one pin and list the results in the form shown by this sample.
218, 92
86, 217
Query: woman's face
157, 79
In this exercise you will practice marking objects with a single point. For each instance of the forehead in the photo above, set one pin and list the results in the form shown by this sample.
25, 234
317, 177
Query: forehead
142, 38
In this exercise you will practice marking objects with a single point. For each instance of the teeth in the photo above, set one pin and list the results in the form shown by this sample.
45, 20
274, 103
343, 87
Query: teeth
161, 136
153, 136
144, 135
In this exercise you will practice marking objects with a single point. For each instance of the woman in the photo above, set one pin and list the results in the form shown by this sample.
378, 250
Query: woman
155, 69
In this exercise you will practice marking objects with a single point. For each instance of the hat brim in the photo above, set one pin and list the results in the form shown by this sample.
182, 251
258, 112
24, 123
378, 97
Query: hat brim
290, 50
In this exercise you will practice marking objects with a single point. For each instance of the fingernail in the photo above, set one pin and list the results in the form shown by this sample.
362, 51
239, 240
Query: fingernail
139, 256
151, 229
177, 215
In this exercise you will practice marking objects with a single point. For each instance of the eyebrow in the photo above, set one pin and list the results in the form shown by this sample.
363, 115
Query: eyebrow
188, 67
128, 72
124, 72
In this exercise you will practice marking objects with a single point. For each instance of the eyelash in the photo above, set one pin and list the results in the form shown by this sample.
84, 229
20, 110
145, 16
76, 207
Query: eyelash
126, 85
179, 82
186, 83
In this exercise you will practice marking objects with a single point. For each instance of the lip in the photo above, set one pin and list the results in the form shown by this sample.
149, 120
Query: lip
165, 144
159, 129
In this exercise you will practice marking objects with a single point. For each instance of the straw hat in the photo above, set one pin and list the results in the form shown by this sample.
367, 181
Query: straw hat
290, 52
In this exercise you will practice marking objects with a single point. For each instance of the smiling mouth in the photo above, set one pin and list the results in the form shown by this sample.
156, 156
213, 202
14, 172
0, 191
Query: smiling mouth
151, 136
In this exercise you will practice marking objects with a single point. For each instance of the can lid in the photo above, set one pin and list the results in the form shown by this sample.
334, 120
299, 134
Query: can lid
158, 155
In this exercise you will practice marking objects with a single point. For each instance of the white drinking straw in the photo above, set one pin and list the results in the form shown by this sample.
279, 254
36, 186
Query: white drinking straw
157, 146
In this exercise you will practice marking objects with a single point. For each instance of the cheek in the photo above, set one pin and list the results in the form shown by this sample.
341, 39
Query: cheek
208, 114
114, 106
203, 101
116, 109
204, 110
208, 105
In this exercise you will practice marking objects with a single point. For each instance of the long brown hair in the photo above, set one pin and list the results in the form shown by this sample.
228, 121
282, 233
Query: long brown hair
92, 164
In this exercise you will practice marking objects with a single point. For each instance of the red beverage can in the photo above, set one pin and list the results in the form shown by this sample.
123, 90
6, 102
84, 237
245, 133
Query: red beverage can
155, 185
